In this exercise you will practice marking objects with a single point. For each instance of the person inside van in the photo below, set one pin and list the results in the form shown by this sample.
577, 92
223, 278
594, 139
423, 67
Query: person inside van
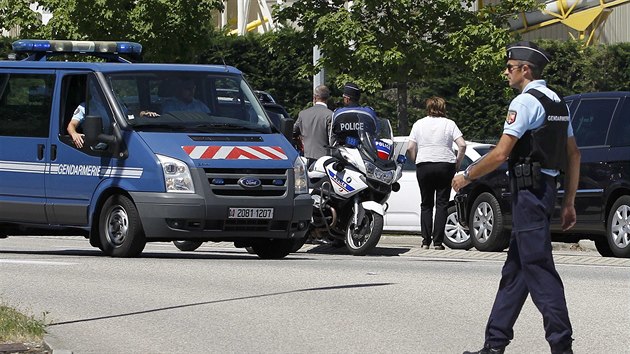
95, 108
184, 99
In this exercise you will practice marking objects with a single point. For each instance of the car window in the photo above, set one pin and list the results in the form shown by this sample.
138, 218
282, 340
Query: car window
591, 120
25, 104
482, 150
620, 127
465, 163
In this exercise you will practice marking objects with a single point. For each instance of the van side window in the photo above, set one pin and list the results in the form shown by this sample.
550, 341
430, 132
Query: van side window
25, 104
81, 99
620, 128
591, 120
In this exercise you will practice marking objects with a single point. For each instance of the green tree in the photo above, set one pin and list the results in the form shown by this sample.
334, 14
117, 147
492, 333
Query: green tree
169, 30
393, 43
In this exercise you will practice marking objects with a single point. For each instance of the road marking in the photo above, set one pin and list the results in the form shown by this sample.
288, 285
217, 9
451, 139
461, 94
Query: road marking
18, 261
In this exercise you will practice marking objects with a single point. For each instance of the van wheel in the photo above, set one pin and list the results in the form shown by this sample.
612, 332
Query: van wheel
486, 224
120, 229
618, 228
187, 245
273, 248
455, 235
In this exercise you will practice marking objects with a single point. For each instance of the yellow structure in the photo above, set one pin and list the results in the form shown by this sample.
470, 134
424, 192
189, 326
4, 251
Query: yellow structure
586, 17
242, 16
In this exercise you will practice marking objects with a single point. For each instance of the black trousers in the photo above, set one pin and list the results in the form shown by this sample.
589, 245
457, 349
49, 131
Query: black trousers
434, 180
529, 270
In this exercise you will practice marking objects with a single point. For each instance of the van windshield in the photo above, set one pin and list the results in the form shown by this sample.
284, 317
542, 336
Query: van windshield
188, 101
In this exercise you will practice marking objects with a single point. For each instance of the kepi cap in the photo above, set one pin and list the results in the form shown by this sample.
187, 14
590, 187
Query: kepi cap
528, 51
351, 90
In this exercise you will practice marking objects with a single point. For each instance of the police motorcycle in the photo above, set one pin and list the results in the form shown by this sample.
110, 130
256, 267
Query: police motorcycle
351, 185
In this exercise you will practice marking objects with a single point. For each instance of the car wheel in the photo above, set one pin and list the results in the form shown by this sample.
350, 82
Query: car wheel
618, 228
602, 246
187, 245
120, 229
455, 235
486, 224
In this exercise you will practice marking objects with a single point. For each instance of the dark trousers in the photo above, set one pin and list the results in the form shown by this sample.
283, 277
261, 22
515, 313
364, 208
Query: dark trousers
434, 180
529, 269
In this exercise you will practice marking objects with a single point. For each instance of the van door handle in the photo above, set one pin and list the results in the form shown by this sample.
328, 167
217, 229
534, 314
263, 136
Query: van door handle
40, 151
53, 152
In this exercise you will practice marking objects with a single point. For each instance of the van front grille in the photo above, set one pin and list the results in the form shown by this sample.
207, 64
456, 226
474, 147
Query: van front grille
224, 182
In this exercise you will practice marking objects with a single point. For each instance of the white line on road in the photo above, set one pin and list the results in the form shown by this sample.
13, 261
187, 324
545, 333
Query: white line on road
18, 261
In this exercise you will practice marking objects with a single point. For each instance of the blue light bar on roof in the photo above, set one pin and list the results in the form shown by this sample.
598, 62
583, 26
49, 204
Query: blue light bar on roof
67, 46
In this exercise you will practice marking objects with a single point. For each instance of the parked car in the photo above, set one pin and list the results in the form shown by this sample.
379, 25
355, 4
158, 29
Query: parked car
265, 97
403, 213
601, 125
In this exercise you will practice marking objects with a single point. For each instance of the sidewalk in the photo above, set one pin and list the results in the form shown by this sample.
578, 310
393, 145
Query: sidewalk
414, 241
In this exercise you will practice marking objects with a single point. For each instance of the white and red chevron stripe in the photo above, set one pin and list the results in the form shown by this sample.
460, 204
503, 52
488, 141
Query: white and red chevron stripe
236, 152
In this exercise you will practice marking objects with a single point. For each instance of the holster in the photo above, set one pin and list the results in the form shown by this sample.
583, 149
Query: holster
527, 175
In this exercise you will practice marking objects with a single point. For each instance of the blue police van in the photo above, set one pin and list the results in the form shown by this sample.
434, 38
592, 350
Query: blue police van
158, 152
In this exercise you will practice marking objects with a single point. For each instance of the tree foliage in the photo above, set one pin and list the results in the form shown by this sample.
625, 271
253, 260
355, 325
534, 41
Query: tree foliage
392, 43
170, 30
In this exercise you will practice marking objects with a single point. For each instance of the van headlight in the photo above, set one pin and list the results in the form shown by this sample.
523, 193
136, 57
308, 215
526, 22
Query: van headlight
177, 176
299, 172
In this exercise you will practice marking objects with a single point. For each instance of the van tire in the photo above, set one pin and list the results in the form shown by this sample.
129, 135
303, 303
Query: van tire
617, 229
273, 248
120, 229
486, 224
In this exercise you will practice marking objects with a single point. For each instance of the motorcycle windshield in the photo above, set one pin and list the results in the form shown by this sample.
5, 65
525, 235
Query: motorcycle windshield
375, 148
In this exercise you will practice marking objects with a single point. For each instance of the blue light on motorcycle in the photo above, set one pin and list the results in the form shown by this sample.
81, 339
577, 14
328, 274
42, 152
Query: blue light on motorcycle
352, 141
401, 159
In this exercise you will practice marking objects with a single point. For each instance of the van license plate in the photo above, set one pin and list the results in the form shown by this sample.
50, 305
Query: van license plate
250, 213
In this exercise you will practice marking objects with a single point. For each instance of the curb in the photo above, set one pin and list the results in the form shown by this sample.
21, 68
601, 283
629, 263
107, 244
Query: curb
415, 241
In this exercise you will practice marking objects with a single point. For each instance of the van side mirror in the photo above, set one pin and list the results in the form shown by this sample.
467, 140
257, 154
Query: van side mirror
93, 131
286, 127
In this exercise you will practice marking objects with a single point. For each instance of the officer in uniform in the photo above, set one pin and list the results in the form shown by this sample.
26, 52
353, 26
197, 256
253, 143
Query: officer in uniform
348, 120
538, 140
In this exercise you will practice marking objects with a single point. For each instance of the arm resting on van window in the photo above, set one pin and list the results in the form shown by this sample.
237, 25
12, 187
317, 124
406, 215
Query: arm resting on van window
571, 178
77, 137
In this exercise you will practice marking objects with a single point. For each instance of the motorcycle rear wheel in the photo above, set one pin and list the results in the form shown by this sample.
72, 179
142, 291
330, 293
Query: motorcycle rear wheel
360, 242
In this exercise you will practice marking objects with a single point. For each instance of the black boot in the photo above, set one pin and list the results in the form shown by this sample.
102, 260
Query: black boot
487, 350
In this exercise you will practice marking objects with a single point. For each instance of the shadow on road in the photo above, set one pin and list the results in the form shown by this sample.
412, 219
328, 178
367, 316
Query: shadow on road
325, 288
377, 251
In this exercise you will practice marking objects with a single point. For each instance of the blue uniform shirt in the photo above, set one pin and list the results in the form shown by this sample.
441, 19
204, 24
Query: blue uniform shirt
527, 113
175, 104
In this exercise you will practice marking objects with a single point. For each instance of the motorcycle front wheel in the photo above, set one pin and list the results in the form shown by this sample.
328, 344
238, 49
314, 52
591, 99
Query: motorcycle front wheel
361, 240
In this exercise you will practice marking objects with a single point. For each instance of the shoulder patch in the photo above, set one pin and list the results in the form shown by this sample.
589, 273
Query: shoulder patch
511, 117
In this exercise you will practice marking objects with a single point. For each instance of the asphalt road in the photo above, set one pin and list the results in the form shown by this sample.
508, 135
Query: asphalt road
223, 300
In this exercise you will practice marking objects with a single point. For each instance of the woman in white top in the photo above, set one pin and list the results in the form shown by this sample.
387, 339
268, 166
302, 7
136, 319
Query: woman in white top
431, 146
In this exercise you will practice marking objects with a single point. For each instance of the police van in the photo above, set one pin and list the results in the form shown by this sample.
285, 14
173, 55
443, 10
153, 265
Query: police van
159, 152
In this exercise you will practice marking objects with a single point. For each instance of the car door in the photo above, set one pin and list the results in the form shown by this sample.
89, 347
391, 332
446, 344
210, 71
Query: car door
75, 173
25, 111
591, 117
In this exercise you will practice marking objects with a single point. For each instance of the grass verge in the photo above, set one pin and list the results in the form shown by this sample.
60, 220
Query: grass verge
15, 327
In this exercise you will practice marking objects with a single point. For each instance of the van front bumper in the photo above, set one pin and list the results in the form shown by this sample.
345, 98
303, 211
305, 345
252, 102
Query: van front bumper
170, 216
